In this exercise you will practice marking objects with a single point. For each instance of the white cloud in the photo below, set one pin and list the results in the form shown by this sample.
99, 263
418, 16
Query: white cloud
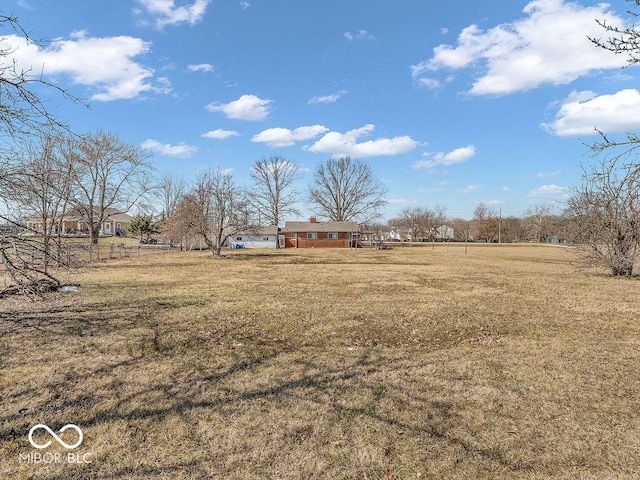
247, 107
334, 97
220, 134
469, 189
548, 45
200, 67
245, 5
459, 155
430, 83
555, 173
439, 187
105, 64
181, 150
24, 4
346, 144
549, 191
583, 112
165, 12
283, 137
359, 35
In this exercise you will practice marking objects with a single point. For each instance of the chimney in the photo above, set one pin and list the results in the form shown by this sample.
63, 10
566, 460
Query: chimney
313, 220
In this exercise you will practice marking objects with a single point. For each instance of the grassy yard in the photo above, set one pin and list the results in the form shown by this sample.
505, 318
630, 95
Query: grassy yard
411, 363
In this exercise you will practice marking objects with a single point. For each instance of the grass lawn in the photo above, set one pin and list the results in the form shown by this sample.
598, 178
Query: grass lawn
411, 363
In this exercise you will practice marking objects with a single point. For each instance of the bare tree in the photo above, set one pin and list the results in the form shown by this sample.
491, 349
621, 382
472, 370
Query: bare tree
22, 111
344, 189
39, 190
605, 209
169, 190
538, 220
22, 115
273, 194
420, 222
606, 216
437, 218
108, 174
411, 219
621, 40
462, 228
214, 210
486, 223
513, 230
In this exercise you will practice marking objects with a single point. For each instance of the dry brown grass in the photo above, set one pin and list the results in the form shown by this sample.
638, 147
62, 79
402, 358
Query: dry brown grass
409, 363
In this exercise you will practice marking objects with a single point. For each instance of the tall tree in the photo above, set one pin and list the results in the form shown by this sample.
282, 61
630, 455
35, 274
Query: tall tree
344, 189
605, 209
486, 223
23, 114
169, 190
606, 216
40, 189
273, 193
462, 228
538, 220
214, 210
108, 174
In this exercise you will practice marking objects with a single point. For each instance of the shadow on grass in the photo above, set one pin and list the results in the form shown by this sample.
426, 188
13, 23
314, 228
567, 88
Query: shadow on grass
107, 369
350, 390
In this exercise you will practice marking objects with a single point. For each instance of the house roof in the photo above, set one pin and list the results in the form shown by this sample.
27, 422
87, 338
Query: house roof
120, 217
266, 230
290, 227
75, 215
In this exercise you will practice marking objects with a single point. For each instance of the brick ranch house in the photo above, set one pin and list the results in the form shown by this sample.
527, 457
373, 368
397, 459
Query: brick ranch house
315, 234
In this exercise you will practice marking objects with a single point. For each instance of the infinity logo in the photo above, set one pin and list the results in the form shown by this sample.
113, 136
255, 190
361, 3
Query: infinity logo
56, 437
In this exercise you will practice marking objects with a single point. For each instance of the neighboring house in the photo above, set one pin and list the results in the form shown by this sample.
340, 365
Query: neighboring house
74, 223
398, 235
264, 237
444, 232
321, 234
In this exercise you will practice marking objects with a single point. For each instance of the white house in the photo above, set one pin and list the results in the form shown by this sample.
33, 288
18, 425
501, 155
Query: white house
444, 232
264, 237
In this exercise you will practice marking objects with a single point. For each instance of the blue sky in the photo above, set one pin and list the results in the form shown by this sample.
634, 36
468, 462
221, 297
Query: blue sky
450, 103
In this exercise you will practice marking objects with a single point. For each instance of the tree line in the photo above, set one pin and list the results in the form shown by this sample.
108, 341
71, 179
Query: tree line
539, 224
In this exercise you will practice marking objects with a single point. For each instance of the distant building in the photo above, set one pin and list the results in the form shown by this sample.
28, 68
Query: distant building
444, 232
75, 223
315, 234
264, 237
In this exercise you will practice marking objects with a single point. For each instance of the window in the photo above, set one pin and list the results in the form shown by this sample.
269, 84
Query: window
239, 238
294, 236
312, 236
332, 236
265, 239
